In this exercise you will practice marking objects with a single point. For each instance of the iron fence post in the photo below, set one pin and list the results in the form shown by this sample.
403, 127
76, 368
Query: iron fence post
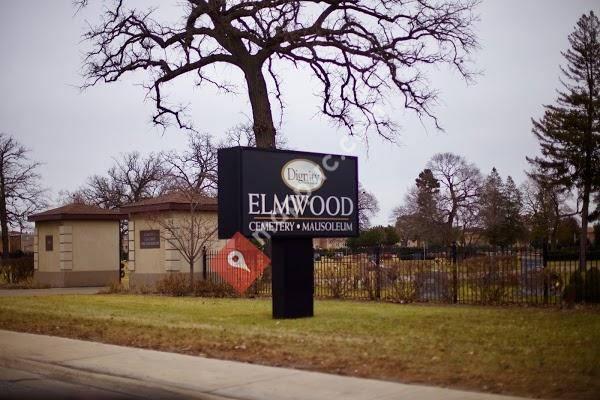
378, 272
454, 273
204, 272
545, 270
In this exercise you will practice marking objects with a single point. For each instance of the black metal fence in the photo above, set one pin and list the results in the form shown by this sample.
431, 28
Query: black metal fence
456, 275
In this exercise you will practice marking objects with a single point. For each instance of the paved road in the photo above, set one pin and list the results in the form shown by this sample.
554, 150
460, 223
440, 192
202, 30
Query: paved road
49, 366
49, 292
19, 384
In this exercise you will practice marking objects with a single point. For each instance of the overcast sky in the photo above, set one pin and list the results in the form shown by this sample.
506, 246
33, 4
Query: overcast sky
76, 134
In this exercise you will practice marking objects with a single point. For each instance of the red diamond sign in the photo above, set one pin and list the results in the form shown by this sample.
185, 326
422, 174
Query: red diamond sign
239, 262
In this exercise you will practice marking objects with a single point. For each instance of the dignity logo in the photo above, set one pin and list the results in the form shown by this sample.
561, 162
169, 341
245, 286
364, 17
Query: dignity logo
302, 175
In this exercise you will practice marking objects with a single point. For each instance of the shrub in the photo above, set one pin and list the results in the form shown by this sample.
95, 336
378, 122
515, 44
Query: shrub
592, 286
433, 285
26, 284
404, 290
338, 277
399, 279
115, 287
583, 287
573, 292
368, 279
208, 288
174, 284
335, 281
260, 285
144, 289
15, 270
492, 276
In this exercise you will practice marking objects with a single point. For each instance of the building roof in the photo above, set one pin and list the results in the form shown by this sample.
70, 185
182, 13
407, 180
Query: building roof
77, 211
174, 201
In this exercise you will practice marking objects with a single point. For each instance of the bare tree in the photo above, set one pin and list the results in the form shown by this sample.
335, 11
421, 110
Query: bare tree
460, 188
188, 232
132, 178
65, 197
20, 188
470, 224
196, 168
368, 207
359, 51
239, 135
545, 205
243, 135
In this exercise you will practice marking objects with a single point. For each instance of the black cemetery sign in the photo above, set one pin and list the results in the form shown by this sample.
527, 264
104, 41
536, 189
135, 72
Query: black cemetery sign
289, 197
288, 194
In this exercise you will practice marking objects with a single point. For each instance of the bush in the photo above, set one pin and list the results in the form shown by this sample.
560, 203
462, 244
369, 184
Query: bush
368, 279
404, 290
115, 287
583, 287
592, 286
433, 285
26, 284
15, 270
144, 289
397, 277
335, 280
175, 284
178, 284
573, 292
261, 285
492, 276
208, 288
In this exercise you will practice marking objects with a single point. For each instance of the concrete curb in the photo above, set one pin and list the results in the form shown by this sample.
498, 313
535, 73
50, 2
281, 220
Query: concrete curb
155, 374
128, 387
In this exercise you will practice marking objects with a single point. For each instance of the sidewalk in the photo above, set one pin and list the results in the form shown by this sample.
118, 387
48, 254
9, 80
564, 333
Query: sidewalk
50, 291
126, 372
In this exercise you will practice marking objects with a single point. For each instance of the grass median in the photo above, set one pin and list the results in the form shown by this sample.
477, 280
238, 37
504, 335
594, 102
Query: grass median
526, 351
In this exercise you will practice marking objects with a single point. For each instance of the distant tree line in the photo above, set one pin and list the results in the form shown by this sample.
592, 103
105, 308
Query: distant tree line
134, 177
451, 201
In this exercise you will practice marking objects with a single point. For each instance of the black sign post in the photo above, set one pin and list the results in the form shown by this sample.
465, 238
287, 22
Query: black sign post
292, 277
288, 197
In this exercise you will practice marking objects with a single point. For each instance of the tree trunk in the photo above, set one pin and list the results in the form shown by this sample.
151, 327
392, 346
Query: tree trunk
553, 235
264, 130
192, 275
450, 225
588, 175
584, 226
3, 217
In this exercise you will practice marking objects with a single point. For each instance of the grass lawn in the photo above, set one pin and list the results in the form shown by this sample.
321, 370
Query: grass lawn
525, 351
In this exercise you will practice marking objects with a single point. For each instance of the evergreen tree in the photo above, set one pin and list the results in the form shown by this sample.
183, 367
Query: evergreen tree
376, 236
420, 217
428, 189
492, 207
513, 228
569, 131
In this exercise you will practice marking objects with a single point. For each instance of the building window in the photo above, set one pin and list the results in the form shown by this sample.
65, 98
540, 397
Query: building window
49, 242
150, 239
